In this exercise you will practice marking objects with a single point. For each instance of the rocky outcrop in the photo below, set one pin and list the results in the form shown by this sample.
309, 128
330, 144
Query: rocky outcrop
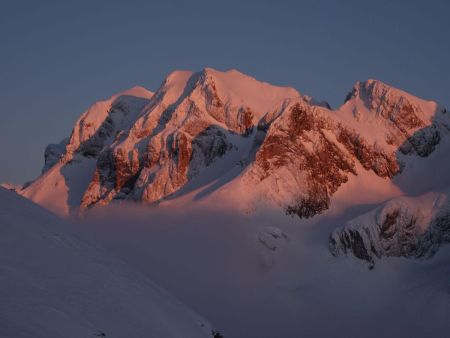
11, 187
272, 238
403, 227
409, 124
53, 154
314, 154
273, 242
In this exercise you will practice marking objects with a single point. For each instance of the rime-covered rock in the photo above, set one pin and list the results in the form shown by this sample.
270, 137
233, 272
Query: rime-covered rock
413, 227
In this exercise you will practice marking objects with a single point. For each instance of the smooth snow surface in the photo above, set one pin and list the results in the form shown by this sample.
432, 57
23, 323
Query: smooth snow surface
61, 188
238, 89
269, 276
54, 284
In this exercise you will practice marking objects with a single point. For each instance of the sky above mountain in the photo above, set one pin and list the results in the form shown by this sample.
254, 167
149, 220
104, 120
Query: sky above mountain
59, 57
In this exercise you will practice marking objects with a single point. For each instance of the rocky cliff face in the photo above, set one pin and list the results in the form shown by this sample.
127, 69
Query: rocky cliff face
184, 129
145, 147
306, 152
410, 124
307, 155
403, 227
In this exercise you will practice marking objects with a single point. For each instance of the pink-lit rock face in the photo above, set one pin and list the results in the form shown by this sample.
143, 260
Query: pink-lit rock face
304, 145
283, 148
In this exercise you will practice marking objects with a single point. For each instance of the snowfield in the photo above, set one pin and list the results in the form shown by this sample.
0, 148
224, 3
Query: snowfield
266, 275
55, 284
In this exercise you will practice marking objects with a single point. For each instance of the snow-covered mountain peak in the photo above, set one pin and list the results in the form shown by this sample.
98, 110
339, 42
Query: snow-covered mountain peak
372, 86
173, 85
393, 118
238, 89
376, 96
104, 117
230, 89
148, 148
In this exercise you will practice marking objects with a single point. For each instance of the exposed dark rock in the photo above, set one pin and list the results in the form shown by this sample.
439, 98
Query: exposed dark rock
397, 229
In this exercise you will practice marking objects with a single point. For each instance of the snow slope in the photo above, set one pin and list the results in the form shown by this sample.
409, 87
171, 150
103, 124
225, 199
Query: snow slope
265, 275
54, 284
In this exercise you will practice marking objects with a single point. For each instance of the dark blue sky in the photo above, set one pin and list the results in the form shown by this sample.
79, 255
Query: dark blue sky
57, 58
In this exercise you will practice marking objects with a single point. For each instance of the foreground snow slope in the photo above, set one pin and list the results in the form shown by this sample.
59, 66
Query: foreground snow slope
271, 276
54, 284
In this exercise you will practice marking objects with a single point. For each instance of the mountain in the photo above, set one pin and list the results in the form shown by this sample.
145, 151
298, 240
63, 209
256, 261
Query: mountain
225, 138
145, 147
140, 146
55, 284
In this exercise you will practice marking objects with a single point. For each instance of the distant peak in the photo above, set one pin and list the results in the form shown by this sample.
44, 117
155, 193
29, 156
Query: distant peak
374, 85
371, 88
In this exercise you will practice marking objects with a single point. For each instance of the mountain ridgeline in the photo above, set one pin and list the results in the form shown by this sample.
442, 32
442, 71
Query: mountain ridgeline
148, 146
231, 137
